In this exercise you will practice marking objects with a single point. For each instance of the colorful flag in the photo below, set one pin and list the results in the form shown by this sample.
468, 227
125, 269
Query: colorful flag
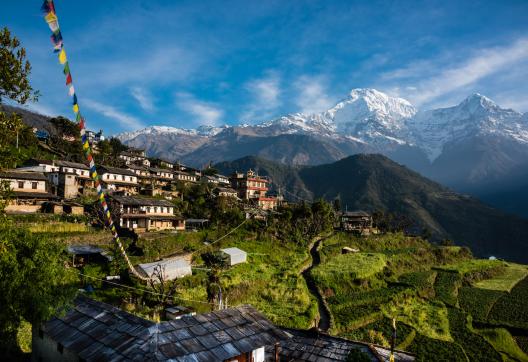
62, 56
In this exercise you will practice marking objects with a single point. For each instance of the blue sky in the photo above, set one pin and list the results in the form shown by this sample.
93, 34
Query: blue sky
187, 63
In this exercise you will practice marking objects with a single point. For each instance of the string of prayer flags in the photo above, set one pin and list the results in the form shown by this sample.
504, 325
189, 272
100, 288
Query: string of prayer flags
50, 15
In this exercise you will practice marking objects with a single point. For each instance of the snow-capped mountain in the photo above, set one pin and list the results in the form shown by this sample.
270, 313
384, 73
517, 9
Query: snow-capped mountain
477, 115
371, 116
467, 146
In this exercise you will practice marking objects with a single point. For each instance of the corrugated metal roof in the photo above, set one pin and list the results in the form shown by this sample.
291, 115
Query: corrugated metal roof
96, 331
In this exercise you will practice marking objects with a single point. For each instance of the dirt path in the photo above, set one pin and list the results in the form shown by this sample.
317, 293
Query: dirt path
324, 314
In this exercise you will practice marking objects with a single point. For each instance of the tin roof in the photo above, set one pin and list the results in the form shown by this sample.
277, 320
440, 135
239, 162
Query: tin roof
313, 346
96, 331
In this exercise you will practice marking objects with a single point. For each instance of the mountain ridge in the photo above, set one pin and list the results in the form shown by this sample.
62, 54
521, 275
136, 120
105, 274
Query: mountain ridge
375, 183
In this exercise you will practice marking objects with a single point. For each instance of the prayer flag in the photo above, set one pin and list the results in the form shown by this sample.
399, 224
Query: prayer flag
62, 56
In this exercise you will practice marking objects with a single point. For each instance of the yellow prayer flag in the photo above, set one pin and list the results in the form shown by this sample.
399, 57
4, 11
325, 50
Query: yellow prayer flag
50, 17
62, 56
76, 108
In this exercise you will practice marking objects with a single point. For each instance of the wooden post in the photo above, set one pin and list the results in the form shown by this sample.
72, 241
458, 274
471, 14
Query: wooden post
393, 339
277, 350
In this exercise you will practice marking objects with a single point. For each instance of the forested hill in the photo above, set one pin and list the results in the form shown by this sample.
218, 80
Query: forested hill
375, 183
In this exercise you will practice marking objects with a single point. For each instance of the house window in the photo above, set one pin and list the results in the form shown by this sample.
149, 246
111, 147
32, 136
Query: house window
115, 177
123, 177
34, 185
60, 348
20, 184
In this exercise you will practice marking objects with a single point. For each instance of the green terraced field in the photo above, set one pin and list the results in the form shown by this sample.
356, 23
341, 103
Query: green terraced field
513, 273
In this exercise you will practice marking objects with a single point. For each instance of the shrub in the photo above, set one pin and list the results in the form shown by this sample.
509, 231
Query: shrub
446, 287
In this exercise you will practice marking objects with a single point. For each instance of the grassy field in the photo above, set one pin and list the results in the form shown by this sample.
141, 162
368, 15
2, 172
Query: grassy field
473, 265
270, 281
427, 318
513, 273
434, 292
512, 308
60, 227
503, 342
348, 267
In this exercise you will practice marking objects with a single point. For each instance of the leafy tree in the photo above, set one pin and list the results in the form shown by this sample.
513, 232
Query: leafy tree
14, 85
14, 70
210, 171
33, 281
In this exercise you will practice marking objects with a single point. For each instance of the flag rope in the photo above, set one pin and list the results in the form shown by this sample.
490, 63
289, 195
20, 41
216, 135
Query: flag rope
50, 16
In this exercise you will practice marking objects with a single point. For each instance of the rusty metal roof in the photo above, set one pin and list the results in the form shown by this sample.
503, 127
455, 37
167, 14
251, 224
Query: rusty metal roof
96, 331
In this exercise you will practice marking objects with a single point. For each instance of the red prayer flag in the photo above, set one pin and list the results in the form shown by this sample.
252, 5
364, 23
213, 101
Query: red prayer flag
68, 79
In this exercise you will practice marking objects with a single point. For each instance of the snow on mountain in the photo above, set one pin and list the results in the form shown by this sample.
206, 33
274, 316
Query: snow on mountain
154, 131
369, 117
477, 115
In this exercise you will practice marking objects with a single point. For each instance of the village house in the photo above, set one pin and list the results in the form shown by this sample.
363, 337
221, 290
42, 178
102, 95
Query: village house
135, 156
157, 162
95, 137
118, 180
146, 214
225, 192
359, 222
253, 188
96, 331
29, 191
223, 180
143, 174
67, 179
163, 176
184, 177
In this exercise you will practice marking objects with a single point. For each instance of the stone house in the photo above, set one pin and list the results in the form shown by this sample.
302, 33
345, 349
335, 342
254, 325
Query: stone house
119, 179
29, 190
146, 214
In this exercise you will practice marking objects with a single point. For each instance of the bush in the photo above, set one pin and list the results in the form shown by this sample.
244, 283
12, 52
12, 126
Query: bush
446, 287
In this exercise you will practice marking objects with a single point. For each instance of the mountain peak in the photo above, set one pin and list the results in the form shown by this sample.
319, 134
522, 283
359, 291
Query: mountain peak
476, 102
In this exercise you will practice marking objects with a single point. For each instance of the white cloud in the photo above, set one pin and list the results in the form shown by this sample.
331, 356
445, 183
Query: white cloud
266, 97
204, 113
128, 121
312, 96
430, 81
143, 97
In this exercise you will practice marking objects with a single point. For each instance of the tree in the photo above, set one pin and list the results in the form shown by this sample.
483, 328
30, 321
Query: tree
33, 280
14, 70
14, 85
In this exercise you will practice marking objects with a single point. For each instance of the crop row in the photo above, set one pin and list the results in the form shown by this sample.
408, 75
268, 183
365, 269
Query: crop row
478, 302
512, 308
473, 344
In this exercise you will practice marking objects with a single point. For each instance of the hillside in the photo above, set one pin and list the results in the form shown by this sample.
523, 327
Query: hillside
375, 183
448, 305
